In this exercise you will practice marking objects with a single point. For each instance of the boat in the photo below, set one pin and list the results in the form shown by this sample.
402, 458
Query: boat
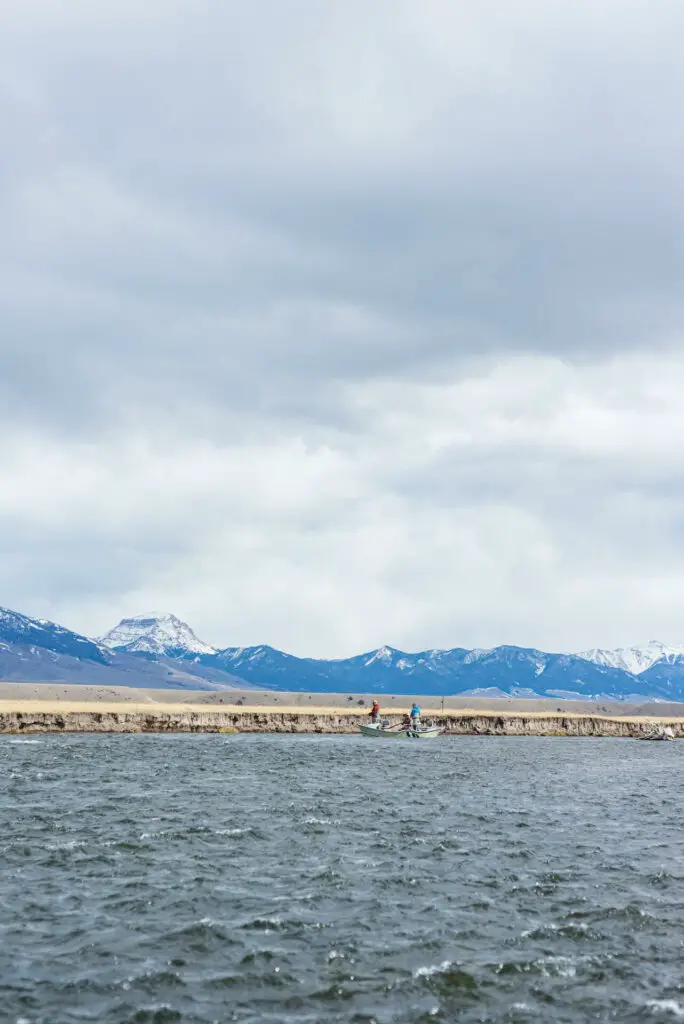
384, 731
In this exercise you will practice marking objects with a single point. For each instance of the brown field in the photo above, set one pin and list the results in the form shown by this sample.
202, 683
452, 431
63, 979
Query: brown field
58, 698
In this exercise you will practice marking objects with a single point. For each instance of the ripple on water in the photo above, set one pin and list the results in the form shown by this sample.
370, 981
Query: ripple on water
297, 879
665, 1007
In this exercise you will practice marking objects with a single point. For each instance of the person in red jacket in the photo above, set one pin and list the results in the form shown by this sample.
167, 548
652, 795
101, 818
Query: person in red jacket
375, 712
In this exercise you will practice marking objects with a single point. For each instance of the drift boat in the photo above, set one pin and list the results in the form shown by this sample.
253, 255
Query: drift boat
383, 731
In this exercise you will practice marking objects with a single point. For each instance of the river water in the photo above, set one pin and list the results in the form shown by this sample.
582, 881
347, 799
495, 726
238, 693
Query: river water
308, 879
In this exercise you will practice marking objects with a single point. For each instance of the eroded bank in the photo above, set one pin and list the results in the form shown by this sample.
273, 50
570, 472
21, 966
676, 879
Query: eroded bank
189, 719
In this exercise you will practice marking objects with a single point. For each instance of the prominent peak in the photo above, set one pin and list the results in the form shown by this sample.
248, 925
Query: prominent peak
152, 618
154, 633
385, 655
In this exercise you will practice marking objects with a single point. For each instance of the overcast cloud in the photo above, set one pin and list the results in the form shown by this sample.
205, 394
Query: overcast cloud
329, 325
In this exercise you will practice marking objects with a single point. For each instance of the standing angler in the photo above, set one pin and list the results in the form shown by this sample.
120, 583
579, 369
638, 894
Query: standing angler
375, 712
414, 715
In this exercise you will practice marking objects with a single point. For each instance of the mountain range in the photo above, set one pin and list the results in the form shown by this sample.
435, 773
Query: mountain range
161, 651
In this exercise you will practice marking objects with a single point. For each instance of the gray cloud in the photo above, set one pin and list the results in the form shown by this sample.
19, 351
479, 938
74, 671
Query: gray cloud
328, 322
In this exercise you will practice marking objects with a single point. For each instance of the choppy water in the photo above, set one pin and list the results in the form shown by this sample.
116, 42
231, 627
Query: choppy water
307, 879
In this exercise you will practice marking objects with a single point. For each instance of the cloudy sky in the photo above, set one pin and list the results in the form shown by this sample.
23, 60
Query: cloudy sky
329, 325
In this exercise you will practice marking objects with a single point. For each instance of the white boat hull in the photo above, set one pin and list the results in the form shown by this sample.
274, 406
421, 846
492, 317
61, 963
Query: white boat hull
378, 733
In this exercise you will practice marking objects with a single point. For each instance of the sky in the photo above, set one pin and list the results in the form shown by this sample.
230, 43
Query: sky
331, 325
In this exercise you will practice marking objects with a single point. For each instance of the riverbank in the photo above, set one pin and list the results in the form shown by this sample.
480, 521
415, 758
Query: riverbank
30, 717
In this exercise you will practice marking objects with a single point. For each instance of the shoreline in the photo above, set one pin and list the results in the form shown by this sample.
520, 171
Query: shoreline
30, 708
29, 717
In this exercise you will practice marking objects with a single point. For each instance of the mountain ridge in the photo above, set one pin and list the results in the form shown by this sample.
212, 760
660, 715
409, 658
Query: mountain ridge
634, 660
160, 650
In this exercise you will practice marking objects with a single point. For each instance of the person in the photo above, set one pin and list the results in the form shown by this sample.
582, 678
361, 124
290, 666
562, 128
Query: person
375, 713
414, 715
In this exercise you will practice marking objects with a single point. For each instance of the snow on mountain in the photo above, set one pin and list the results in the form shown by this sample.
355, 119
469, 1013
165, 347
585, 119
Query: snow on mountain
242, 655
384, 655
477, 654
634, 660
161, 650
39, 651
163, 635
18, 630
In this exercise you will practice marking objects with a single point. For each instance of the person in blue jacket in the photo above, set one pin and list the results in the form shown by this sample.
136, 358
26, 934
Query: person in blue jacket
414, 715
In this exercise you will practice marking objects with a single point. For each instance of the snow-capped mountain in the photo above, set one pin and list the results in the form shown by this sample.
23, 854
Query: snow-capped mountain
635, 660
163, 635
35, 650
162, 651
515, 671
22, 631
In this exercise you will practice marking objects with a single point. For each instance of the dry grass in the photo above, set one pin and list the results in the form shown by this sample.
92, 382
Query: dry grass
69, 707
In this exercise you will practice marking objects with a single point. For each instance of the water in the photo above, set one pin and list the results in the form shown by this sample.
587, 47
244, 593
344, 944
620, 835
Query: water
308, 879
